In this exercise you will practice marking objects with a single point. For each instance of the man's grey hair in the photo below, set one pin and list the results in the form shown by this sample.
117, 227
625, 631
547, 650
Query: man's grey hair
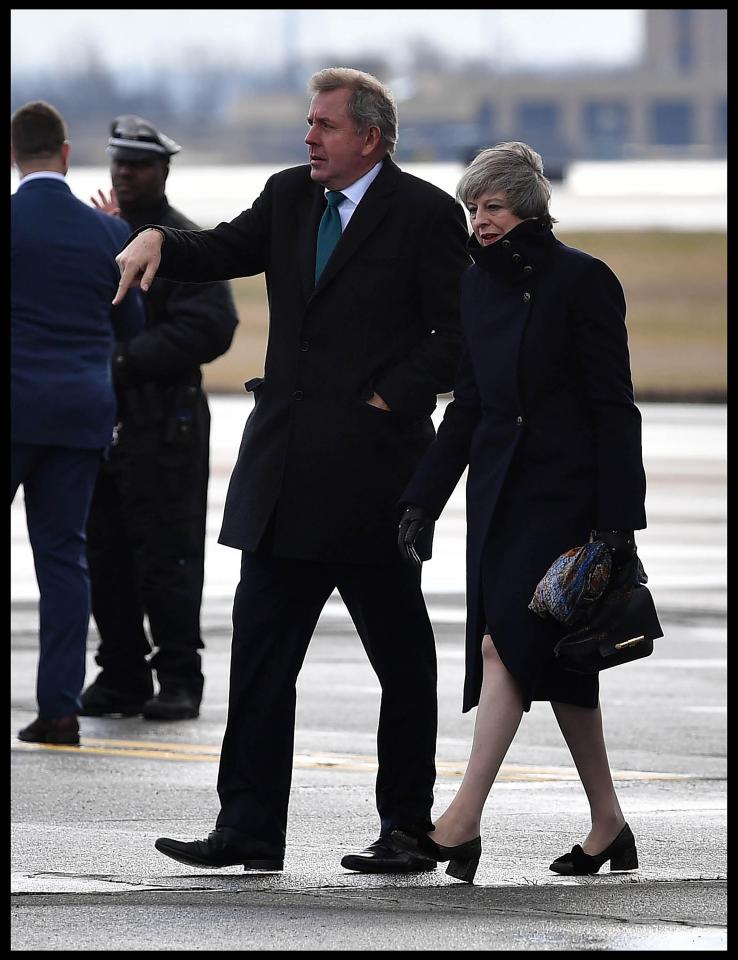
371, 104
514, 169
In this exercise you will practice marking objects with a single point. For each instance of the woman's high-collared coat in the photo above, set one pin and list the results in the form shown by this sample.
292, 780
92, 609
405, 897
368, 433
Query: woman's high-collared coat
543, 415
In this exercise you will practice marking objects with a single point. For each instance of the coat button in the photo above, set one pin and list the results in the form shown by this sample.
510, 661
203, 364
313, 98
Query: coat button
519, 421
528, 269
526, 297
516, 258
505, 244
298, 394
305, 346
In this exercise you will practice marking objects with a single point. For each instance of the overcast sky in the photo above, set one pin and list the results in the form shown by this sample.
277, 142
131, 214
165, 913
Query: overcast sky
55, 39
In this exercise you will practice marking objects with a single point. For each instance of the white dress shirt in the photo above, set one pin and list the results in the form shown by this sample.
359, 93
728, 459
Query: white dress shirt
354, 193
50, 174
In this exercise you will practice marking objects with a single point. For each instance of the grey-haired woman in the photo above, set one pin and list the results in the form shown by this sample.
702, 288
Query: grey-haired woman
544, 417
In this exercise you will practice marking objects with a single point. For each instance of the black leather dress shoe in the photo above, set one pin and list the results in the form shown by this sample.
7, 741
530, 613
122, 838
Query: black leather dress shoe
220, 850
63, 730
102, 699
172, 703
382, 857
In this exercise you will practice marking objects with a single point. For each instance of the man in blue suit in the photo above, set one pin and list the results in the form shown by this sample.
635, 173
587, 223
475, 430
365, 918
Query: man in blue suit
63, 279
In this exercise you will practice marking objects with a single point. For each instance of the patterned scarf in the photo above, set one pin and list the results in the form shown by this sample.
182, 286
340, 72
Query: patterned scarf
577, 580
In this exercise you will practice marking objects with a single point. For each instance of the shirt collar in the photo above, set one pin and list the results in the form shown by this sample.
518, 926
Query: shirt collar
50, 174
355, 191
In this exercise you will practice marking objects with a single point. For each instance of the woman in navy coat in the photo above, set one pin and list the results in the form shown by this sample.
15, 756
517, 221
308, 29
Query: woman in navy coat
543, 416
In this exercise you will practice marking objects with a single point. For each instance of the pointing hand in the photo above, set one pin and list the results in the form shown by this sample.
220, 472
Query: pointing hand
138, 262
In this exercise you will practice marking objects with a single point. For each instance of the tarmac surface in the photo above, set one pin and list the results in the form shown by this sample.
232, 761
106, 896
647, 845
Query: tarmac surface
85, 874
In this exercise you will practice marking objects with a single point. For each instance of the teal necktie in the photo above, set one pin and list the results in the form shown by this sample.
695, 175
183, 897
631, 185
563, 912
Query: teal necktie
329, 231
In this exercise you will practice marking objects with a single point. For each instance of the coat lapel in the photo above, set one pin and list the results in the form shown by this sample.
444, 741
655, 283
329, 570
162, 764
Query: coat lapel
370, 212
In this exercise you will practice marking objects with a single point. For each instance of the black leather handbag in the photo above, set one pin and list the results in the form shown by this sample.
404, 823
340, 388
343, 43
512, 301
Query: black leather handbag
621, 629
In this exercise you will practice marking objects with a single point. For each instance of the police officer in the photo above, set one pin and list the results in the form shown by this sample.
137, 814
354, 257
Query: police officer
146, 530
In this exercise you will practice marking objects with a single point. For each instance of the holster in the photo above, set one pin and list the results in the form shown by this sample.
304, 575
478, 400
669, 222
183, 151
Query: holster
181, 416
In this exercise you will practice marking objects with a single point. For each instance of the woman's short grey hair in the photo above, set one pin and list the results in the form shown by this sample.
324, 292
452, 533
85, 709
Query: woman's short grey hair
371, 104
514, 169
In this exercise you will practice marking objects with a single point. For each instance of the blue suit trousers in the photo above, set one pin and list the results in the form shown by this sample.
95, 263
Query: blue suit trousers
57, 487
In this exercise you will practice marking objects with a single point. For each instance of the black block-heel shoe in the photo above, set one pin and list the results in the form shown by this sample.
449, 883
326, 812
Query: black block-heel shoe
463, 859
621, 853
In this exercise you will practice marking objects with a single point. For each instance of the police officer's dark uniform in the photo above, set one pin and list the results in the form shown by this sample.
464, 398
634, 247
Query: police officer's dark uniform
146, 532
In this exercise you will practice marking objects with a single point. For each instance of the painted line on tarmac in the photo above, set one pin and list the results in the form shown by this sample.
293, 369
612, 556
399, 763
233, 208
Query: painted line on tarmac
194, 752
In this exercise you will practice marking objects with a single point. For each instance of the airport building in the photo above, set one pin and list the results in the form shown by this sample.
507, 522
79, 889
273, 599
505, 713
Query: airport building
673, 103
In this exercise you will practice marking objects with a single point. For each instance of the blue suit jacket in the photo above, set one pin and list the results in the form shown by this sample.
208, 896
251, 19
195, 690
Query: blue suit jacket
63, 278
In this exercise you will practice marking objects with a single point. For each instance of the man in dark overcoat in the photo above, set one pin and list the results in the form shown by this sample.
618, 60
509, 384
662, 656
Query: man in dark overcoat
362, 266
146, 531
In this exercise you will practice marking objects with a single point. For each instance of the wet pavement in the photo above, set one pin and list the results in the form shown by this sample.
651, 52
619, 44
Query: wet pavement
85, 874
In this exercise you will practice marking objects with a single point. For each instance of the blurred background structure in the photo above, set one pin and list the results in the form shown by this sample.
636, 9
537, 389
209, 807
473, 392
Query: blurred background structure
668, 99
627, 107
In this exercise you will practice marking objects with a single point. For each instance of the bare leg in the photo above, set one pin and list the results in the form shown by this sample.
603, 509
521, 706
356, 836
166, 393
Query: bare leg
499, 714
582, 730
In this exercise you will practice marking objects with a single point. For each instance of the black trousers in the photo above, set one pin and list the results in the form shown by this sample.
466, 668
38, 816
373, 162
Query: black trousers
276, 608
146, 549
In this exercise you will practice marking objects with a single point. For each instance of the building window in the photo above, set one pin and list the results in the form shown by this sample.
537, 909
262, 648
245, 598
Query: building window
539, 126
486, 122
721, 122
671, 122
606, 127
684, 39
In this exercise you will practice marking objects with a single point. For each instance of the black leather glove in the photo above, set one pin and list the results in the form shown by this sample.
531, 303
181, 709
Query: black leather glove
621, 543
413, 520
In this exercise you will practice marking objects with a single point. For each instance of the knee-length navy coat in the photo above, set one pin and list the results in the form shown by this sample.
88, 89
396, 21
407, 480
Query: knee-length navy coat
543, 415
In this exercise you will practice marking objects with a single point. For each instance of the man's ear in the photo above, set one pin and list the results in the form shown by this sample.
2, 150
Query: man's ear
372, 139
66, 149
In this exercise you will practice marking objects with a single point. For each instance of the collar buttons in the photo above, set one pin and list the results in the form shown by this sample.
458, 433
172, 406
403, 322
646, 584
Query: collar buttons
516, 258
528, 269
504, 244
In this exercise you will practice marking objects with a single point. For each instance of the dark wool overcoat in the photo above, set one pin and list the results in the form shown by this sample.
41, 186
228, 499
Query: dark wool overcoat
384, 316
544, 417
